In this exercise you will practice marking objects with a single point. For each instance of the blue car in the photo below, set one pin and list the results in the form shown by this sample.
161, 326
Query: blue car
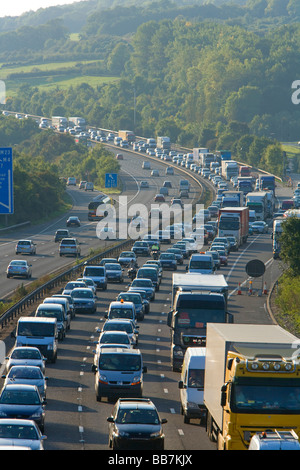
168, 261
22, 400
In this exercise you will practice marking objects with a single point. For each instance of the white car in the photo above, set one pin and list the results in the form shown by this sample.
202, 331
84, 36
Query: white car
25, 355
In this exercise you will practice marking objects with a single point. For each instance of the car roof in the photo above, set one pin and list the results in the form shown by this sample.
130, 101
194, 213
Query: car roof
118, 303
50, 306
120, 350
138, 403
20, 387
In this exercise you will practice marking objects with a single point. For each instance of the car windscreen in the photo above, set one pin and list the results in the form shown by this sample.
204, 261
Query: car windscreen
82, 294
35, 329
116, 312
120, 362
20, 397
137, 416
90, 271
25, 373
18, 431
113, 338
136, 299
55, 313
118, 326
26, 354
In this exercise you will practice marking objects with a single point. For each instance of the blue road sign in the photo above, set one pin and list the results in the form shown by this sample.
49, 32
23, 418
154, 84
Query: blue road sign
6, 181
111, 180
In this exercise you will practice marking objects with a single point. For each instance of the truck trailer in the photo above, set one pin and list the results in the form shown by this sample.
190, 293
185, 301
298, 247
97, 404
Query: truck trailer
252, 382
163, 142
127, 135
258, 202
229, 169
77, 121
234, 222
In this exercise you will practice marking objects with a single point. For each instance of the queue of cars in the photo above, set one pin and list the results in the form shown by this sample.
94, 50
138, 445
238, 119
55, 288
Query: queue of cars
116, 351
68, 246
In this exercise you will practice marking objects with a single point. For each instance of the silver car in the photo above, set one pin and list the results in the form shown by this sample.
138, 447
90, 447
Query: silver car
26, 356
28, 375
25, 247
21, 433
19, 268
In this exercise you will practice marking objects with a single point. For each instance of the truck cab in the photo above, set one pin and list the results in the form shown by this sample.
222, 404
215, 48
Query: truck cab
188, 319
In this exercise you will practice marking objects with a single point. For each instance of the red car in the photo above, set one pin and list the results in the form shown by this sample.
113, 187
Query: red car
159, 198
223, 258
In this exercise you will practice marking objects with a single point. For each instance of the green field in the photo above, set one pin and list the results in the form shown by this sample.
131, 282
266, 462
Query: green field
70, 76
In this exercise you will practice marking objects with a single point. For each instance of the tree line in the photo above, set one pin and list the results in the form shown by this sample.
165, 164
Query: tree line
42, 161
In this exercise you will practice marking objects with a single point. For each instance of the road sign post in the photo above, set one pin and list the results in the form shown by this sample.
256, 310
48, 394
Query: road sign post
111, 180
6, 181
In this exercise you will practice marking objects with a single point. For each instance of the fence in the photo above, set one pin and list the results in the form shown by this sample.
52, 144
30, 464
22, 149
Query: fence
40, 292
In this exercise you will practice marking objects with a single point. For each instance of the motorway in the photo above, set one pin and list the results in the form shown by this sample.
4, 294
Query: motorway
74, 419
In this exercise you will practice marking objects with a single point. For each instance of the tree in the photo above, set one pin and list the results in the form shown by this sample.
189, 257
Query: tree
290, 244
118, 58
272, 159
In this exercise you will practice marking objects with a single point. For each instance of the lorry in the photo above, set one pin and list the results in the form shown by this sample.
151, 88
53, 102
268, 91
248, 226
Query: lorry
234, 222
267, 183
193, 306
163, 142
206, 159
222, 155
257, 201
277, 231
251, 383
270, 204
232, 199
191, 282
229, 169
76, 121
197, 151
59, 122
127, 135
245, 171
245, 184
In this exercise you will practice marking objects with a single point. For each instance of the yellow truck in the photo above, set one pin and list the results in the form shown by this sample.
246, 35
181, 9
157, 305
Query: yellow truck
252, 382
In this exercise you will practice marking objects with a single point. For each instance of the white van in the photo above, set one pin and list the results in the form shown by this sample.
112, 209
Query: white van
118, 372
202, 263
191, 385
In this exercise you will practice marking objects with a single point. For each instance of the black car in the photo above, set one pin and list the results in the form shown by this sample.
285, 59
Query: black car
141, 248
73, 221
135, 424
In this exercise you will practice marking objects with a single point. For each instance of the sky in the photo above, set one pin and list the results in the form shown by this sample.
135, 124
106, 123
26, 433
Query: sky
17, 7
